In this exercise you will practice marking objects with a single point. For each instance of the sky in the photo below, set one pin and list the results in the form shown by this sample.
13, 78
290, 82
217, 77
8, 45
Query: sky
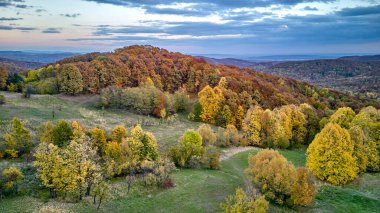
233, 27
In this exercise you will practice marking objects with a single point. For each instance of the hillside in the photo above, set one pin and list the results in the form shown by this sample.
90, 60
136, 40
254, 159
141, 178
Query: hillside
39, 57
130, 66
343, 75
18, 66
362, 58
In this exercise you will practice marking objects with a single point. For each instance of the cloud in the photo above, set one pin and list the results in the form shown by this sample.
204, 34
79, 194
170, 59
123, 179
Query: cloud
40, 10
13, 3
10, 19
308, 8
51, 31
2, 27
74, 15
360, 11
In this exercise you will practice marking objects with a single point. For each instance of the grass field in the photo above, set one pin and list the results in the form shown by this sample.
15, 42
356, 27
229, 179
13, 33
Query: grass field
195, 191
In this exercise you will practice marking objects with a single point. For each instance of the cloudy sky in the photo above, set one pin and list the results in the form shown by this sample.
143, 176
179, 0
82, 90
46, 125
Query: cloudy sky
241, 27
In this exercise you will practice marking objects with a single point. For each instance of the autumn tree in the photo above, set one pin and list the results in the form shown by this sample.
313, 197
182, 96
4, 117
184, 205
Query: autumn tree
190, 145
18, 140
343, 116
82, 161
10, 178
102, 192
3, 78
51, 168
304, 190
119, 133
70, 79
252, 125
99, 139
273, 174
330, 156
210, 100
207, 134
244, 202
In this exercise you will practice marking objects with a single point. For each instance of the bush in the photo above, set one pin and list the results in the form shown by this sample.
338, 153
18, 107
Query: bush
279, 180
228, 136
273, 174
243, 202
211, 158
207, 134
189, 147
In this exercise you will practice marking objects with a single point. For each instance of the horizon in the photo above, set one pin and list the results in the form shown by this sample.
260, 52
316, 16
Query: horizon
300, 27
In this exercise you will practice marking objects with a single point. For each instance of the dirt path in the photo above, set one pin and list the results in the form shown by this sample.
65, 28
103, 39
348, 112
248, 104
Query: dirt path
227, 153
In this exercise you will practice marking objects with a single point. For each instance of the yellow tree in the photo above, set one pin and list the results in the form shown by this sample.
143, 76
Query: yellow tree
119, 133
252, 125
242, 202
330, 156
99, 139
343, 116
210, 100
50, 167
82, 161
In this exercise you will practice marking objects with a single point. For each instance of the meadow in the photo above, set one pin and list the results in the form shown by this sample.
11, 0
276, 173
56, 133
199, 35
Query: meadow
196, 190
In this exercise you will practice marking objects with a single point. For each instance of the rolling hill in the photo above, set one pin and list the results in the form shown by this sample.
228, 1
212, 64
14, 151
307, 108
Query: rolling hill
130, 66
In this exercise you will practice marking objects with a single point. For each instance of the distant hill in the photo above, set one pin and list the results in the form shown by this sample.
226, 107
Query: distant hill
357, 75
365, 58
18, 66
40, 57
130, 66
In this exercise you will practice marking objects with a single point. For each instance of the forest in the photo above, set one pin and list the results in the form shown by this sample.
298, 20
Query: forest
103, 131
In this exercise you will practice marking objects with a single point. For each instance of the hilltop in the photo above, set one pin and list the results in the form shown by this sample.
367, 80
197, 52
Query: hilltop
170, 71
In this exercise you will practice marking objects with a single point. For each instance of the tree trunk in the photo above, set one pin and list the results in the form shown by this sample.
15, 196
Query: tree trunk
88, 189
100, 201
94, 199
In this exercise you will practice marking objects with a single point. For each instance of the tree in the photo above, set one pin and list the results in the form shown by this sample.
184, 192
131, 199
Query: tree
119, 133
3, 78
223, 83
243, 202
330, 156
239, 117
207, 134
102, 191
82, 161
50, 167
252, 125
190, 145
197, 111
148, 149
210, 100
70, 79
273, 174
62, 133
303, 191
99, 139
343, 116
12, 176
18, 141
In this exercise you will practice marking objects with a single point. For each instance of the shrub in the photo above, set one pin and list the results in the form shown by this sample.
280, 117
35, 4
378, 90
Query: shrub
243, 202
207, 134
211, 158
330, 156
273, 174
303, 191
189, 147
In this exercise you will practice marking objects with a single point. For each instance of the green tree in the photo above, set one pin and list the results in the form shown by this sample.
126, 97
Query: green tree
62, 133
70, 79
190, 145
330, 156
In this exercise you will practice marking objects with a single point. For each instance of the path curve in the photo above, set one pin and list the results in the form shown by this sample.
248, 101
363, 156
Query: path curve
227, 153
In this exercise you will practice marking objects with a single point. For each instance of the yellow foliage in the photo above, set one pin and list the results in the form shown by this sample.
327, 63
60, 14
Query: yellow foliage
330, 156
210, 100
